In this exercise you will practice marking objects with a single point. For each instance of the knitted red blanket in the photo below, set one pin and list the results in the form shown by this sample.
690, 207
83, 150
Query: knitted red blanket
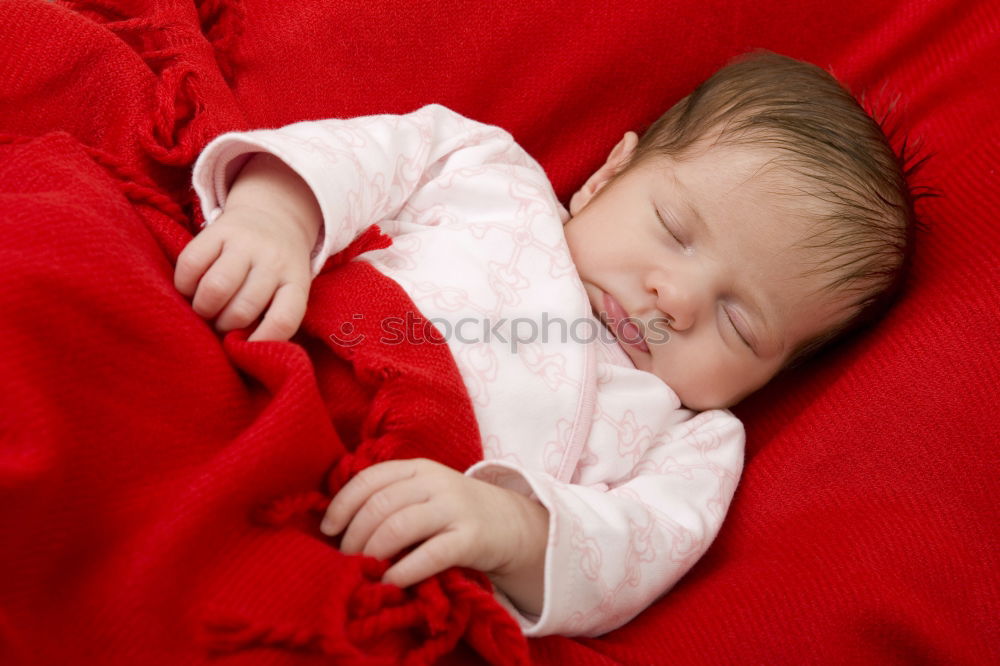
162, 491
160, 487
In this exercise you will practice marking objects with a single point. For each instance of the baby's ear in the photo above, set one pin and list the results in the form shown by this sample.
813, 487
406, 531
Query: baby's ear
582, 196
622, 151
616, 160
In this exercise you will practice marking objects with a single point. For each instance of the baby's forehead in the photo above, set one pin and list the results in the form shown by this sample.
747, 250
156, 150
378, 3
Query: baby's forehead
753, 160
763, 175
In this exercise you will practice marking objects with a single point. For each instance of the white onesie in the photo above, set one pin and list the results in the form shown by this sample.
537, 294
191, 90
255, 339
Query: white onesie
636, 485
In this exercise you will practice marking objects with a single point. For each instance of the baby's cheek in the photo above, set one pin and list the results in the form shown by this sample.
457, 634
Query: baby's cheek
706, 383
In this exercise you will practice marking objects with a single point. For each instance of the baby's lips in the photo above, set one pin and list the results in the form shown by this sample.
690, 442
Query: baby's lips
631, 334
625, 330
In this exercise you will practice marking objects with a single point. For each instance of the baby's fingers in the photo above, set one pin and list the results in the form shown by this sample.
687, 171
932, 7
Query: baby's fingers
194, 260
363, 485
249, 301
285, 314
442, 551
220, 282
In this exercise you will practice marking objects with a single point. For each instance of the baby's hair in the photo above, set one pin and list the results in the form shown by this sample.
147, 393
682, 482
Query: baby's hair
831, 151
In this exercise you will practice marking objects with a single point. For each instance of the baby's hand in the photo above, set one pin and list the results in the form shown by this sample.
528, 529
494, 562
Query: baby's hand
461, 521
247, 258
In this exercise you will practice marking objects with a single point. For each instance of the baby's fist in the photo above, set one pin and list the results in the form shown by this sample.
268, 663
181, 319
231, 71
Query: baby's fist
453, 519
246, 260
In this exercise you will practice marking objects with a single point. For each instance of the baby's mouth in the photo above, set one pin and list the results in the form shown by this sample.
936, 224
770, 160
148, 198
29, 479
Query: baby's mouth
616, 319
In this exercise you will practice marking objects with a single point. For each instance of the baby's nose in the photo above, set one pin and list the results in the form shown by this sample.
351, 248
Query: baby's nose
678, 321
678, 305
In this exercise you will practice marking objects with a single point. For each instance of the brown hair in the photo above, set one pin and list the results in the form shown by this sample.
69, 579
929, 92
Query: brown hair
828, 144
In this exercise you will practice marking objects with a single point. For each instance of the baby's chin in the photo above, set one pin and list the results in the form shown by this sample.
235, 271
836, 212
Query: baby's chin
639, 363
700, 403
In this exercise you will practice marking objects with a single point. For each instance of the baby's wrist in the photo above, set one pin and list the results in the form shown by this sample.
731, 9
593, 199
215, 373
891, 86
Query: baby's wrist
266, 185
524, 580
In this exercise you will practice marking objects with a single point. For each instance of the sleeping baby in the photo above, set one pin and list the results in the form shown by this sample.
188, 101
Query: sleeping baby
761, 217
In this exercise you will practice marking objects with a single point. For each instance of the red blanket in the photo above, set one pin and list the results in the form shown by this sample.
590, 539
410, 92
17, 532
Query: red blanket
160, 485
162, 492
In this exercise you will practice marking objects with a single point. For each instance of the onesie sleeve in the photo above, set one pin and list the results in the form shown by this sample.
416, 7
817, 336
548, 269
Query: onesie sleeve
614, 548
361, 170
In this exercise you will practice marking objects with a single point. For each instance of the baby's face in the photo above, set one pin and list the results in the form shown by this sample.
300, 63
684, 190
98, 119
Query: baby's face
730, 284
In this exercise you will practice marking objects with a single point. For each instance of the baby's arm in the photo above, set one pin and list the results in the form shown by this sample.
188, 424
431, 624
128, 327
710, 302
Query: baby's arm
256, 252
618, 544
361, 171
